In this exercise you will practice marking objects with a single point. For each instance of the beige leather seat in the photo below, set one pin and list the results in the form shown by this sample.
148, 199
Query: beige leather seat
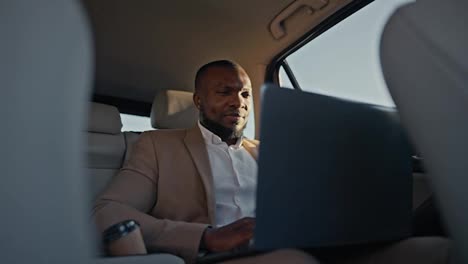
45, 73
425, 63
173, 109
106, 146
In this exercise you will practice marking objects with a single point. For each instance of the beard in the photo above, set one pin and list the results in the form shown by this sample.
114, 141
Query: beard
223, 132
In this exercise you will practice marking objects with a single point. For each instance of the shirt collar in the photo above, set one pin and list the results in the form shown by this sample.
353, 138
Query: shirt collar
211, 138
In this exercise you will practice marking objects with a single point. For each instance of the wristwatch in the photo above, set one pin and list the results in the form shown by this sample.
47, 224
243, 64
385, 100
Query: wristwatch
119, 230
202, 246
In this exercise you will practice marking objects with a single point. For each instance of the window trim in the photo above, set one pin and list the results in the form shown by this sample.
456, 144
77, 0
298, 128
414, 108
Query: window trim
290, 74
272, 71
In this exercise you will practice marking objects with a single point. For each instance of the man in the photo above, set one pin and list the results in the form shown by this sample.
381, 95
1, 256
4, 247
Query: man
194, 189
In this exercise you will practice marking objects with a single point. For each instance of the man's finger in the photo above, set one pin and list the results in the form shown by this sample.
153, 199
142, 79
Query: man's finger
243, 237
243, 227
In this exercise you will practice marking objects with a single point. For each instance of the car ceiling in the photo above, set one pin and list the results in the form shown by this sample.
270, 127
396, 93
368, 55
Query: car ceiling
146, 45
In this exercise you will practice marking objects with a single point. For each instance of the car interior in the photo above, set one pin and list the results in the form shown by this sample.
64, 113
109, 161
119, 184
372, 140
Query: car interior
76, 67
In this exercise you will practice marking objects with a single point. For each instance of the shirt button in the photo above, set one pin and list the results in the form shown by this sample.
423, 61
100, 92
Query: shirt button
236, 199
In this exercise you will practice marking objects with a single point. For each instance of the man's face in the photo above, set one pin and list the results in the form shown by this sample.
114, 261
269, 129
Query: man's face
225, 97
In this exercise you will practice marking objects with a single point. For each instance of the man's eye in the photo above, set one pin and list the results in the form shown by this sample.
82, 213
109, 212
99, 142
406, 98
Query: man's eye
223, 92
246, 94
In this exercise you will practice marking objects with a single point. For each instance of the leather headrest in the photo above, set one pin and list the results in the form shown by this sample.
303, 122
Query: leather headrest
173, 109
104, 119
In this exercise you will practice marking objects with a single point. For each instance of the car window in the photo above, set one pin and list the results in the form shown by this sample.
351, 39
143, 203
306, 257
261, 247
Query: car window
135, 123
344, 61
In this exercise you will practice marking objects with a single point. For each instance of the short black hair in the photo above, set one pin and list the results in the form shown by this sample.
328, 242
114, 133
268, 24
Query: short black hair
219, 63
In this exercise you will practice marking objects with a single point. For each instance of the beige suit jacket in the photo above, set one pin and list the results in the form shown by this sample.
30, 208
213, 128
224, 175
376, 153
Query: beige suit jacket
167, 186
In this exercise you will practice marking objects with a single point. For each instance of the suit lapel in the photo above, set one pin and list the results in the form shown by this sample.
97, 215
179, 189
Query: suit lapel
197, 149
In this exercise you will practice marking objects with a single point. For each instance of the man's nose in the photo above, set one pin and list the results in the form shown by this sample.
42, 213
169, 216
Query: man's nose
236, 101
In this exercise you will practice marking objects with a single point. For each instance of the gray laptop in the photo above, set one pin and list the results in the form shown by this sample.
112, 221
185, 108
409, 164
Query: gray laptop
332, 173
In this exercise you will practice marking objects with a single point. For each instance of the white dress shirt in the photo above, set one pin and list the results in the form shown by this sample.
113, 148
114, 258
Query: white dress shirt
234, 176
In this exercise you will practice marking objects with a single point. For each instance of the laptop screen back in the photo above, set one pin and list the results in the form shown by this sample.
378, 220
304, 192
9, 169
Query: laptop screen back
332, 172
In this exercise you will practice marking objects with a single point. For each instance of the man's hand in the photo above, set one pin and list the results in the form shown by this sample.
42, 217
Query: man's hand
230, 236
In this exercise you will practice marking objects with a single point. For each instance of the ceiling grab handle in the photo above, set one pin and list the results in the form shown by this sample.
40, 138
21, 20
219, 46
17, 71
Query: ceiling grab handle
277, 28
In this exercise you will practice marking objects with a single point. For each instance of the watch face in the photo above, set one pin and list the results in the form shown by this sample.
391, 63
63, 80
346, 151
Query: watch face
119, 230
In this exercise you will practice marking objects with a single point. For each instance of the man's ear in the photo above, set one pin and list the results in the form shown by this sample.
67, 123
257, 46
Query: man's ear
196, 100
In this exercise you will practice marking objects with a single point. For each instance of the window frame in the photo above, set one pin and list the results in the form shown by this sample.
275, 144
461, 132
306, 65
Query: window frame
290, 74
272, 71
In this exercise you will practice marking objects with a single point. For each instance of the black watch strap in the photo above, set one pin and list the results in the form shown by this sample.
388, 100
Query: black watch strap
202, 246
